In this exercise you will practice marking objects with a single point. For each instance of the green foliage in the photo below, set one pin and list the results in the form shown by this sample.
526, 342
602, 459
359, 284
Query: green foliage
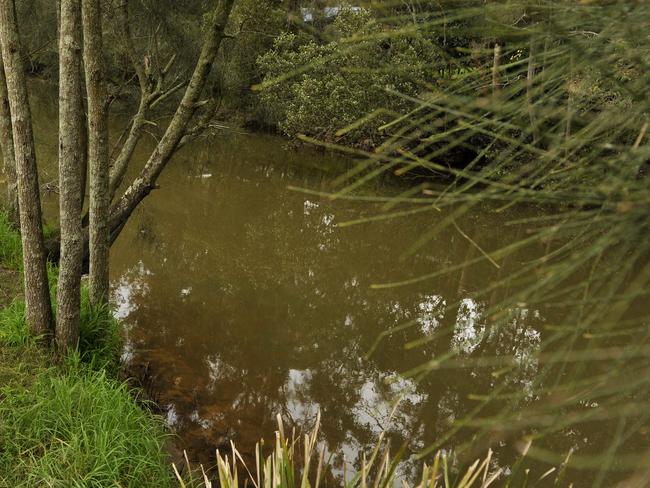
10, 246
79, 429
319, 89
13, 326
73, 424
100, 341
564, 130
255, 25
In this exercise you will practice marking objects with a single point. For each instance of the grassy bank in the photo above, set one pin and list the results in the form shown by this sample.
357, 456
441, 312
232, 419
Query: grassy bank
68, 422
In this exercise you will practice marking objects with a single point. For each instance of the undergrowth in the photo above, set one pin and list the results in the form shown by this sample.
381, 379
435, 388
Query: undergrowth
10, 246
70, 422
75, 427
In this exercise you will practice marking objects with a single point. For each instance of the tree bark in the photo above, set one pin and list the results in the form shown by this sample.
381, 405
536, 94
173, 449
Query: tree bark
71, 156
121, 163
177, 132
82, 137
8, 155
100, 199
37, 295
178, 126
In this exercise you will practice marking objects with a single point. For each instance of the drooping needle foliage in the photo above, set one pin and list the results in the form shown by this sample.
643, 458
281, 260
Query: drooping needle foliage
542, 105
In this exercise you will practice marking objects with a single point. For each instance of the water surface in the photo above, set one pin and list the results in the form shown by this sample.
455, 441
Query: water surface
243, 298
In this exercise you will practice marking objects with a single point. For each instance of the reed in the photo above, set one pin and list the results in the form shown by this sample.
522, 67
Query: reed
299, 462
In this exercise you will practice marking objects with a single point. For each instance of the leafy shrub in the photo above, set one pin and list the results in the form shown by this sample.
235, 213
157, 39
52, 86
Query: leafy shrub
351, 82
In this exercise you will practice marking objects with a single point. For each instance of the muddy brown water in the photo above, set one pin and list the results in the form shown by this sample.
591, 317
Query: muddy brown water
243, 298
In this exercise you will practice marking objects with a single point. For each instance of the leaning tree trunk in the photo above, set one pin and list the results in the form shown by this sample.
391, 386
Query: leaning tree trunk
179, 124
37, 295
177, 134
8, 156
98, 151
71, 157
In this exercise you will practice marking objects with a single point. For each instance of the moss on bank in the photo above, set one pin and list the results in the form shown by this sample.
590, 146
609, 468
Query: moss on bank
69, 422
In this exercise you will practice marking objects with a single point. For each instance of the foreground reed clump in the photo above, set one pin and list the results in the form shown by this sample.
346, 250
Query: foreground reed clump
300, 462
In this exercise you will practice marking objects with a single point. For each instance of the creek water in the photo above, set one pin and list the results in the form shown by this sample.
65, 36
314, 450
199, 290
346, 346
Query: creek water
243, 298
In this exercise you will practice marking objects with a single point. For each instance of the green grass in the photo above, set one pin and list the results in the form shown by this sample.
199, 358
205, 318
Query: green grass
99, 343
99, 336
74, 427
70, 422
10, 246
13, 327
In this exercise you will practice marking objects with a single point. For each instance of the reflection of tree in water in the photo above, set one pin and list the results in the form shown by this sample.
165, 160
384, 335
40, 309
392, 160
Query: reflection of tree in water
253, 302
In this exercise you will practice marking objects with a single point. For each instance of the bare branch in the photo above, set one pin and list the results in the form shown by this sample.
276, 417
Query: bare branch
122, 17
178, 126
164, 96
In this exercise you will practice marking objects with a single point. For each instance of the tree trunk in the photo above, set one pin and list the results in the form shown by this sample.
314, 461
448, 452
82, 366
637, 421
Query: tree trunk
37, 294
82, 137
71, 155
177, 133
178, 126
99, 244
120, 165
8, 156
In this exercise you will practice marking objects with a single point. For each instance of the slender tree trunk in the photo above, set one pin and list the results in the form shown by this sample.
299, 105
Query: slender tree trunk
83, 139
178, 126
82, 135
178, 132
8, 155
98, 151
121, 163
71, 155
37, 294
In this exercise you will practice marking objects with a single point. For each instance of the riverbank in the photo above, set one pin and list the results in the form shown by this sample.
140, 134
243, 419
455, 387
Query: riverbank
69, 421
